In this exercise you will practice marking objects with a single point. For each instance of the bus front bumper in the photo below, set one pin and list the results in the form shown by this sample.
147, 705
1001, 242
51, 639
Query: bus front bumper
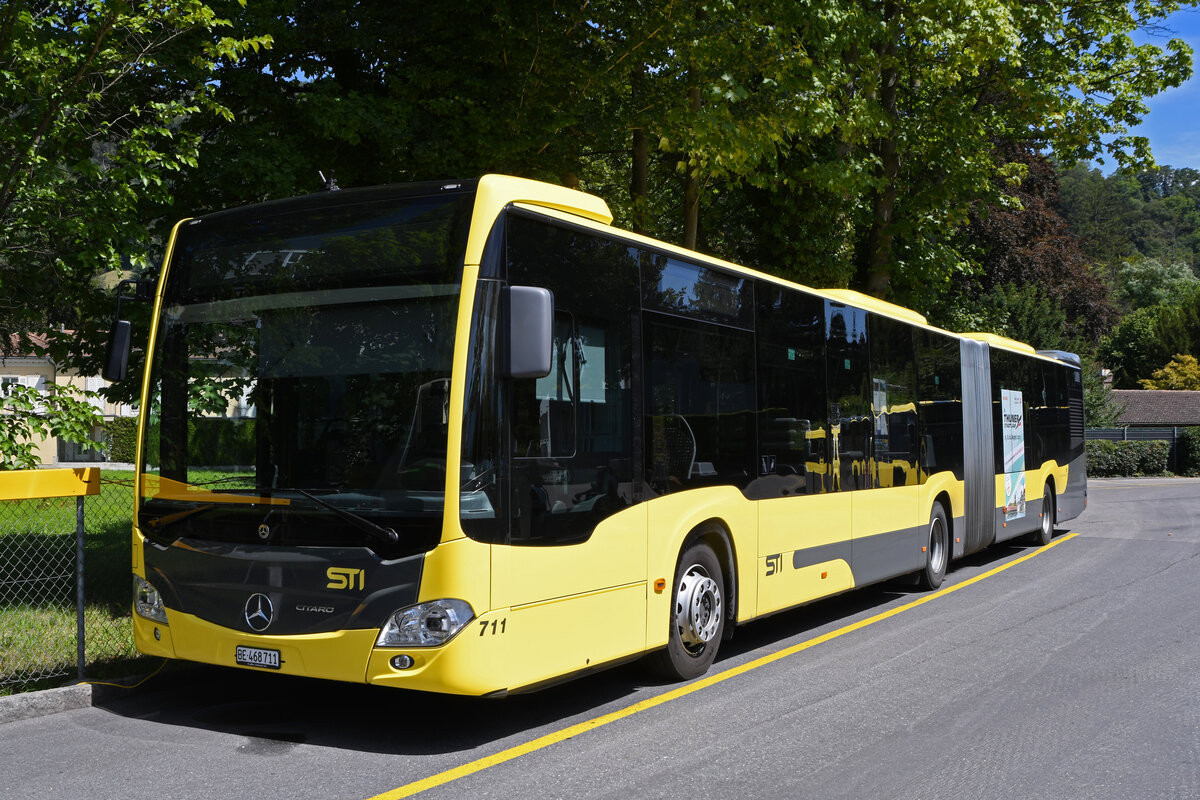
464, 665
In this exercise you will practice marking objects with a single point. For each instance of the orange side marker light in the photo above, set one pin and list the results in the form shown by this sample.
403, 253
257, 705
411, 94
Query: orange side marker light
659, 585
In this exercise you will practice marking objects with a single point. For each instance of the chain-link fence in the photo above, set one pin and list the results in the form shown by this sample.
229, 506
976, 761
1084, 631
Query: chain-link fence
46, 633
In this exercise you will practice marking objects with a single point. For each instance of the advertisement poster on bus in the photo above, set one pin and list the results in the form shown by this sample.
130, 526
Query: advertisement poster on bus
1013, 416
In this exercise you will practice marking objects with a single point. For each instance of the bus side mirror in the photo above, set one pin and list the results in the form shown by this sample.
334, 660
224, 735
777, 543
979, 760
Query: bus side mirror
528, 316
116, 359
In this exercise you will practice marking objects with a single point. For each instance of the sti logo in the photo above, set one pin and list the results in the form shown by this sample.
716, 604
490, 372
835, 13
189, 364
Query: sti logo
345, 578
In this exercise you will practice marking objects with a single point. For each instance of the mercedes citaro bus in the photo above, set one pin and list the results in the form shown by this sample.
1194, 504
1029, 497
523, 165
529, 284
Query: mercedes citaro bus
468, 437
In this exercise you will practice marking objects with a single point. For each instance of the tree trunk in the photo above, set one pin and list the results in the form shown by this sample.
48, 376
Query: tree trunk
876, 257
875, 262
639, 174
691, 186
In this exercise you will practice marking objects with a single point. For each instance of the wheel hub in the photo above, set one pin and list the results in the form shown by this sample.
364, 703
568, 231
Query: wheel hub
937, 545
698, 608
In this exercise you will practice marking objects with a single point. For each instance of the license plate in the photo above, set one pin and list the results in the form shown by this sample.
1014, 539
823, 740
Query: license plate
256, 657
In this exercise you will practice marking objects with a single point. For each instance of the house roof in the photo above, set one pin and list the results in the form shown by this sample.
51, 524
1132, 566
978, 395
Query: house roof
16, 348
1158, 407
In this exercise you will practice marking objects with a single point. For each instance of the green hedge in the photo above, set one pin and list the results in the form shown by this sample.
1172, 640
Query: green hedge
1126, 459
212, 442
121, 435
220, 442
1187, 452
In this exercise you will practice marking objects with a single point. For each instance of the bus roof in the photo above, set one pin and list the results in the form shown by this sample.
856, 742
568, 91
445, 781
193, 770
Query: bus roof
494, 192
866, 301
1003, 342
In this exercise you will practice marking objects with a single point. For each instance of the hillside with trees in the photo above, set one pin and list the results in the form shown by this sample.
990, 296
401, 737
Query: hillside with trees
1141, 230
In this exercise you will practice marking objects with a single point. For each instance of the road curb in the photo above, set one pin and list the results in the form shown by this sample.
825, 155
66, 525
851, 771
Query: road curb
48, 701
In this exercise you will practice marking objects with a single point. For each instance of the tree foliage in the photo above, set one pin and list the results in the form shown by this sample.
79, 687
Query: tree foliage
1100, 406
1130, 216
92, 95
1141, 282
1147, 338
1033, 281
27, 416
1181, 372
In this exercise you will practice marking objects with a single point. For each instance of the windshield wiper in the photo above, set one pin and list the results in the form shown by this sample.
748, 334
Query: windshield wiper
362, 523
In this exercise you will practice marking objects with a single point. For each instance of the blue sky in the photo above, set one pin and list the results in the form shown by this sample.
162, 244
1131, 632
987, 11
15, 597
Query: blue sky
1173, 124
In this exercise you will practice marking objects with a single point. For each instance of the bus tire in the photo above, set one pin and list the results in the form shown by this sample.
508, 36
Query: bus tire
937, 549
1045, 532
697, 617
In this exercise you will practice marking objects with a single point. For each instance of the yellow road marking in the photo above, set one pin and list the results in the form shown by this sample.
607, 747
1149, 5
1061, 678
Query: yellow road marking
542, 742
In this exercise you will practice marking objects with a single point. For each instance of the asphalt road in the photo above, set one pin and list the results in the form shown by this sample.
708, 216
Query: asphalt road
1069, 674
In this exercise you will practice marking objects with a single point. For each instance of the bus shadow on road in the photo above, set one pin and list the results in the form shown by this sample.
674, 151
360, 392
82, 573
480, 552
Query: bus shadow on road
273, 713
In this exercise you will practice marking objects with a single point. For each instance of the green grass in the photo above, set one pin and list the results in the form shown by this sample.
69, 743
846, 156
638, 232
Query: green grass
37, 645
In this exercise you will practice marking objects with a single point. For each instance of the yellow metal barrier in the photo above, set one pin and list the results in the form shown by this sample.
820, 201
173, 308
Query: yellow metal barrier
28, 484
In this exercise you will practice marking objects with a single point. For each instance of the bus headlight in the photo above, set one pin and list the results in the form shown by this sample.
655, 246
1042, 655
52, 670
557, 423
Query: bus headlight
425, 625
147, 602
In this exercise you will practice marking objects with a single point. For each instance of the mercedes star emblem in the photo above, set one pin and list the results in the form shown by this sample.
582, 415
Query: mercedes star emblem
264, 531
259, 612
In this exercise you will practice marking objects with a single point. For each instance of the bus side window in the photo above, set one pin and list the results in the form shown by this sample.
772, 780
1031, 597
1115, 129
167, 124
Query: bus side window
939, 398
792, 426
700, 404
893, 401
849, 379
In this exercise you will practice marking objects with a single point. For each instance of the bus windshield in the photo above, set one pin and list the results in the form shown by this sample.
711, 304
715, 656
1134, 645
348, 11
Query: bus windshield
300, 383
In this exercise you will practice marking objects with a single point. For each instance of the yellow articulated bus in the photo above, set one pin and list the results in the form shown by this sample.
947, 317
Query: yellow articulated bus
470, 438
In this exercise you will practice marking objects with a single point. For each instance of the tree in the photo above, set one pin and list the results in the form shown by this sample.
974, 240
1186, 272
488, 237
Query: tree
27, 415
1020, 312
382, 92
1100, 407
1033, 282
1100, 211
1146, 338
93, 94
927, 99
1181, 372
837, 143
1134, 215
1142, 282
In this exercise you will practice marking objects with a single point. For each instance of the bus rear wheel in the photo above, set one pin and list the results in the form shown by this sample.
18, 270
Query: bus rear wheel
1045, 532
937, 549
697, 616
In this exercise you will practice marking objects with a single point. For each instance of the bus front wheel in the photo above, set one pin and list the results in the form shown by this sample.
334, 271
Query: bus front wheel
697, 615
937, 549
